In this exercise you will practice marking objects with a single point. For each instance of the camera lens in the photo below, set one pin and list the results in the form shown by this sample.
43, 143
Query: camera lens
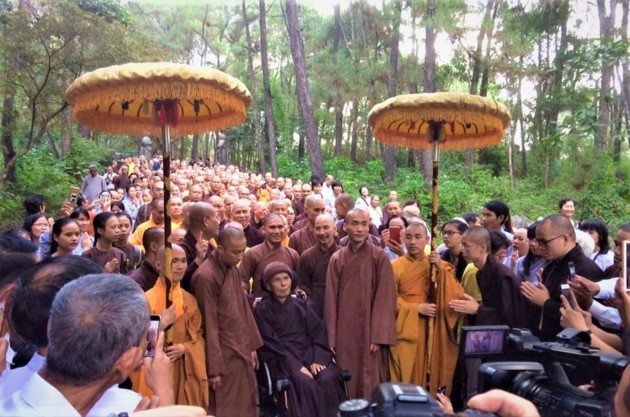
355, 408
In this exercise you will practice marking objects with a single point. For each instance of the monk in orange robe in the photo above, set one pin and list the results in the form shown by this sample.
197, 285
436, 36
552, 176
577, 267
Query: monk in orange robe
413, 312
187, 353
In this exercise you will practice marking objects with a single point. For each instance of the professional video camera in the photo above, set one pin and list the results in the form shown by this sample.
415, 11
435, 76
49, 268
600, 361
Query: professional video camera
554, 369
543, 380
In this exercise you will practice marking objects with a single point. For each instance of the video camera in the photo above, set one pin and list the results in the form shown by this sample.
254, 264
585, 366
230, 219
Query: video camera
547, 373
539, 375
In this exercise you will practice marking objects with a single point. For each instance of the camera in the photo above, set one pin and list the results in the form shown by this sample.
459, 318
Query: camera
547, 373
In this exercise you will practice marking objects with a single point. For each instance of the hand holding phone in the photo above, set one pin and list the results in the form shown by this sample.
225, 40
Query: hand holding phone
572, 272
566, 291
152, 335
394, 234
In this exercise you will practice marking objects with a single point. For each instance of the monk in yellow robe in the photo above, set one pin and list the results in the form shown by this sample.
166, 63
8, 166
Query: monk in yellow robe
187, 353
413, 312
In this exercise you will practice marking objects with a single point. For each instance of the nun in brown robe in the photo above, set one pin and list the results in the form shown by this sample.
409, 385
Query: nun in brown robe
360, 308
295, 338
230, 330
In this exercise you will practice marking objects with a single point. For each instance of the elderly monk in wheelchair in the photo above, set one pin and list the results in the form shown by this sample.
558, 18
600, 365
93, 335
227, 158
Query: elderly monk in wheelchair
295, 345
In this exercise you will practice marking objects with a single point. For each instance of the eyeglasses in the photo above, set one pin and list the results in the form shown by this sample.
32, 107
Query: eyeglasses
545, 243
448, 233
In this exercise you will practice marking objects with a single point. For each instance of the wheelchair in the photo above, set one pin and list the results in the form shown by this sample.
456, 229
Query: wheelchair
273, 390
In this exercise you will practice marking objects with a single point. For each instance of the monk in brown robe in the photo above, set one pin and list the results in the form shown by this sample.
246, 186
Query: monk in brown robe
304, 238
187, 353
203, 227
412, 275
295, 340
241, 212
257, 258
313, 263
360, 307
501, 302
147, 274
230, 330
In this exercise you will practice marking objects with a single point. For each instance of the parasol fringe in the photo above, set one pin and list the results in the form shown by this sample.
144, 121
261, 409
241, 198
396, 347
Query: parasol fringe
157, 91
120, 125
482, 140
437, 114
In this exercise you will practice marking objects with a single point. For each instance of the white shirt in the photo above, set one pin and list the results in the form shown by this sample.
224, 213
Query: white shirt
607, 316
39, 398
603, 260
12, 380
607, 288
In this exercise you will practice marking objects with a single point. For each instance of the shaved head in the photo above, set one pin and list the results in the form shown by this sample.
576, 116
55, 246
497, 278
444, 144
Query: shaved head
229, 235
325, 218
345, 199
198, 212
273, 216
479, 235
178, 251
356, 213
152, 239
559, 225
234, 225
312, 200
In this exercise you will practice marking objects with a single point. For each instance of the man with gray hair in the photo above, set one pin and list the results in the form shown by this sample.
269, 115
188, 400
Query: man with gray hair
97, 334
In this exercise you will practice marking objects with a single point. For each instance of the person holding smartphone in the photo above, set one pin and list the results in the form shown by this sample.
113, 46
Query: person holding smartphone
392, 237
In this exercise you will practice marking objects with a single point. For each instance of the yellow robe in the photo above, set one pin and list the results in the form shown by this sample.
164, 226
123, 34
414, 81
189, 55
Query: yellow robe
409, 356
189, 370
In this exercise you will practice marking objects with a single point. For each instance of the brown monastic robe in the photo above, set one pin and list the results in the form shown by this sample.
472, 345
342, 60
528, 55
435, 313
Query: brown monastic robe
409, 356
146, 276
360, 309
295, 337
311, 271
302, 240
231, 335
101, 258
257, 258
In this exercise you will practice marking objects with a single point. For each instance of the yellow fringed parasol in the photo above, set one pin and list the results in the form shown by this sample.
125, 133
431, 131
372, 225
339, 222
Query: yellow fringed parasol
438, 121
159, 99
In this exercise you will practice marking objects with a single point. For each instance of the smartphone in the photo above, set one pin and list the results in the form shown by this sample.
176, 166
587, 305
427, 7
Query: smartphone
442, 390
105, 197
624, 261
572, 272
566, 291
152, 335
394, 234
73, 195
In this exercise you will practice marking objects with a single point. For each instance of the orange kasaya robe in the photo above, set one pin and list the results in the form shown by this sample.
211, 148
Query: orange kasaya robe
189, 370
409, 356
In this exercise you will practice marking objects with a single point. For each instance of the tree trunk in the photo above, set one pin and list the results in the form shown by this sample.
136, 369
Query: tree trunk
425, 156
336, 96
625, 65
477, 71
52, 146
606, 31
8, 123
206, 146
264, 62
194, 149
519, 106
389, 154
304, 96
252, 89
66, 131
353, 130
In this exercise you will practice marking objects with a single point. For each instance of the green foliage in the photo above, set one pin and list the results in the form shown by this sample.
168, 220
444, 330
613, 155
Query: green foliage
39, 173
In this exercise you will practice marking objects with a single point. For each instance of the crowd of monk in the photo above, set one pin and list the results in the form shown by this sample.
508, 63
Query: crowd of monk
311, 281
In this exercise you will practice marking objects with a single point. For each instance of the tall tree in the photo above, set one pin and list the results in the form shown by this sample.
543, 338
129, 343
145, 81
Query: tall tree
336, 86
303, 90
625, 62
606, 33
426, 160
264, 62
252, 87
389, 153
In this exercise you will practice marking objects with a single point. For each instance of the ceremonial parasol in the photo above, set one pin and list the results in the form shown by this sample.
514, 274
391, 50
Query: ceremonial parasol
160, 100
438, 120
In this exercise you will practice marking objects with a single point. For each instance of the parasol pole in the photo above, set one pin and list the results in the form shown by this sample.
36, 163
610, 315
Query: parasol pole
433, 271
168, 247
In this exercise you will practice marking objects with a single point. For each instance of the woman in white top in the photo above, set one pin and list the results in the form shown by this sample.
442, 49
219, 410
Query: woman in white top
364, 198
602, 255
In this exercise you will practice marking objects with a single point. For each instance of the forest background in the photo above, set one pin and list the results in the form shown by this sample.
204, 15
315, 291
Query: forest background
316, 69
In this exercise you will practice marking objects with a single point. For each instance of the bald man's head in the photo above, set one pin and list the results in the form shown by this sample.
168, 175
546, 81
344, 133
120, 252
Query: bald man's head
178, 262
478, 235
559, 224
198, 212
152, 240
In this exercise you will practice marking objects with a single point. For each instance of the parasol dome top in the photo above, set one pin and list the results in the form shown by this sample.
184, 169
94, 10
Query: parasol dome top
455, 120
139, 98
